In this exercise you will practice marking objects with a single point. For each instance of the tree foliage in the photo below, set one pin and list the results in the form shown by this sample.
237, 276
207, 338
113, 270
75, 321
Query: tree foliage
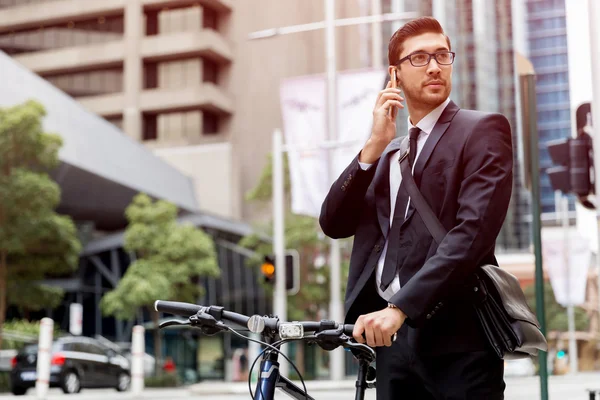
35, 241
23, 332
170, 258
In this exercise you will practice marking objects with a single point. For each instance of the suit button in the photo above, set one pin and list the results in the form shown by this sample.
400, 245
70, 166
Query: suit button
344, 187
377, 248
441, 304
428, 316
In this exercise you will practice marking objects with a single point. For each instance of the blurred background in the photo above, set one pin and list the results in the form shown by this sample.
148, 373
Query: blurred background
178, 100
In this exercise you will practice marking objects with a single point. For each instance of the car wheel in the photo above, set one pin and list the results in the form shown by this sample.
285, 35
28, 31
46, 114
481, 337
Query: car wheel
70, 383
18, 391
123, 382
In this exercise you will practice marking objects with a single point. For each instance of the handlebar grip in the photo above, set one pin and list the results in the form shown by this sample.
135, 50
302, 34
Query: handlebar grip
177, 308
348, 328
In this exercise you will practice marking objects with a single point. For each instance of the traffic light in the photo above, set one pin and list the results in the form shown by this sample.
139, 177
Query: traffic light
268, 270
574, 159
574, 156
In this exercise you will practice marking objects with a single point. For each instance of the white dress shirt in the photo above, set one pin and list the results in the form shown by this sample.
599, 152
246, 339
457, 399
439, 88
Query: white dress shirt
426, 126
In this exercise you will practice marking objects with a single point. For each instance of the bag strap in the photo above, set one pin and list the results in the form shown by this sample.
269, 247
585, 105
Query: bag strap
431, 221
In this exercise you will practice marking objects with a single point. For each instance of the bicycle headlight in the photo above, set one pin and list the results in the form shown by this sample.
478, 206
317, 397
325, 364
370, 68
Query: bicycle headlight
291, 330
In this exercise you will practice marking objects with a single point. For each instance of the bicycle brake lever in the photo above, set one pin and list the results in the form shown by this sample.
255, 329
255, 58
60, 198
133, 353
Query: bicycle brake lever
172, 322
208, 324
368, 351
331, 339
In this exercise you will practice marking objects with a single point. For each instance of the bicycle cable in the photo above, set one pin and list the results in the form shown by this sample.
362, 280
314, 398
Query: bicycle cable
272, 347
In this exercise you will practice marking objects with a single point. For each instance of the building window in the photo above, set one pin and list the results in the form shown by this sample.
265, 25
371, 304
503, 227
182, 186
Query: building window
89, 83
55, 36
150, 127
152, 24
210, 123
150, 75
210, 19
210, 71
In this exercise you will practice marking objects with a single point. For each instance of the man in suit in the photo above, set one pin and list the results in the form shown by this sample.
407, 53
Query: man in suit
400, 280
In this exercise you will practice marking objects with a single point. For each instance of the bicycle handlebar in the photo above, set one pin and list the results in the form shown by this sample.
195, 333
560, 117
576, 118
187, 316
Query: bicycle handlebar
329, 335
177, 308
187, 310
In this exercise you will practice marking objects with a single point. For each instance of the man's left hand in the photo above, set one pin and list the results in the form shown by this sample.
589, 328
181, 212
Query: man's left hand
378, 327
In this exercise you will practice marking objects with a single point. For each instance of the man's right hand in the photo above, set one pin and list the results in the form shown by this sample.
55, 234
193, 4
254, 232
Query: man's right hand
384, 125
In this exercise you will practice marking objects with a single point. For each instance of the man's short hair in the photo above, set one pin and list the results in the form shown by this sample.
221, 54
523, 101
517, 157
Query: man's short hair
413, 28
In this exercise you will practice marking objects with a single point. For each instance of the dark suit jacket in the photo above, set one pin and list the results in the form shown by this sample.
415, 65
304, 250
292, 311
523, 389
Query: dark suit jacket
464, 171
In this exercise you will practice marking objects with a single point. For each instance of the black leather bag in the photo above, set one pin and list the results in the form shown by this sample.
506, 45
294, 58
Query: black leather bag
512, 329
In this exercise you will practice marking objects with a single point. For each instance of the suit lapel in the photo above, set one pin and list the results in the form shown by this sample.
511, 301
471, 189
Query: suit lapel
382, 186
434, 137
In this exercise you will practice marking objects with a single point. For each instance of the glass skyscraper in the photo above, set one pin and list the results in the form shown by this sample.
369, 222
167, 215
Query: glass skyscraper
547, 43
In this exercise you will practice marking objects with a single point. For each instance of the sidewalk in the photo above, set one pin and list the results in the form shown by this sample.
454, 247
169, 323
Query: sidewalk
577, 383
214, 388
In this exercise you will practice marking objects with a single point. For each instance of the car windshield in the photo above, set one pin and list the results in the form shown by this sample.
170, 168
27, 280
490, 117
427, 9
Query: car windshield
33, 348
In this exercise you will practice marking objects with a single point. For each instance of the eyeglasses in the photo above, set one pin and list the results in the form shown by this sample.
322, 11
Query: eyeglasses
422, 59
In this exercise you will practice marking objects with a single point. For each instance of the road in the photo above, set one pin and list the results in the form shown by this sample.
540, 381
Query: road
560, 388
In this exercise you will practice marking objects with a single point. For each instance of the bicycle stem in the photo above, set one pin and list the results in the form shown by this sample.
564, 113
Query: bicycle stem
361, 380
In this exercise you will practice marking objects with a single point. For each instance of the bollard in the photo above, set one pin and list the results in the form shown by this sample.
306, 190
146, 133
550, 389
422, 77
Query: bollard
592, 394
137, 360
43, 358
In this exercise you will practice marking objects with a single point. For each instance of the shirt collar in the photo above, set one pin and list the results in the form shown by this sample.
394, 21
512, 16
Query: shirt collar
428, 122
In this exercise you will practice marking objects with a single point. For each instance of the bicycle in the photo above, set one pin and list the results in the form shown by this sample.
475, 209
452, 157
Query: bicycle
329, 335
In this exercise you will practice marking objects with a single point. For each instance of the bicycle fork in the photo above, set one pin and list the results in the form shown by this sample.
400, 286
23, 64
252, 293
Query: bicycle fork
270, 378
269, 375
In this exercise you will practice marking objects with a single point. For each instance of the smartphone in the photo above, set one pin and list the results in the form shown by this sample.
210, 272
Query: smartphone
394, 81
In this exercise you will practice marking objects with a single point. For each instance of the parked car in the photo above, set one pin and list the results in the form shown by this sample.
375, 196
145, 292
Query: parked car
76, 362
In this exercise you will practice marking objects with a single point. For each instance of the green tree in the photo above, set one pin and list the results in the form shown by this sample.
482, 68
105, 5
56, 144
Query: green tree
556, 315
169, 259
303, 234
35, 241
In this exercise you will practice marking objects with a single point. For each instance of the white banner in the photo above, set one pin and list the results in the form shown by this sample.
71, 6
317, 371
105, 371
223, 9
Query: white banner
75, 318
568, 281
304, 128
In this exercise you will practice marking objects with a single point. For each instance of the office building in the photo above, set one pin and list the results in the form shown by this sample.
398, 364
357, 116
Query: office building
547, 50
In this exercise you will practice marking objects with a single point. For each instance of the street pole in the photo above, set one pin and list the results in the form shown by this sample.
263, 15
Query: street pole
594, 15
280, 295
573, 356
336, 312
529, 95
376, 39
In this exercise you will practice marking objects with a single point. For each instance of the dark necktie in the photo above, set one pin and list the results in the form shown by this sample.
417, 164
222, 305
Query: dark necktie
390, 264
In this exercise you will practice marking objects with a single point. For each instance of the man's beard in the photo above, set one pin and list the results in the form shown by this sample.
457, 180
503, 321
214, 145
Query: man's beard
419, 97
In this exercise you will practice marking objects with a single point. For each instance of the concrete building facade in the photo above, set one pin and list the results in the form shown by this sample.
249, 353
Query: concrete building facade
180, 75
